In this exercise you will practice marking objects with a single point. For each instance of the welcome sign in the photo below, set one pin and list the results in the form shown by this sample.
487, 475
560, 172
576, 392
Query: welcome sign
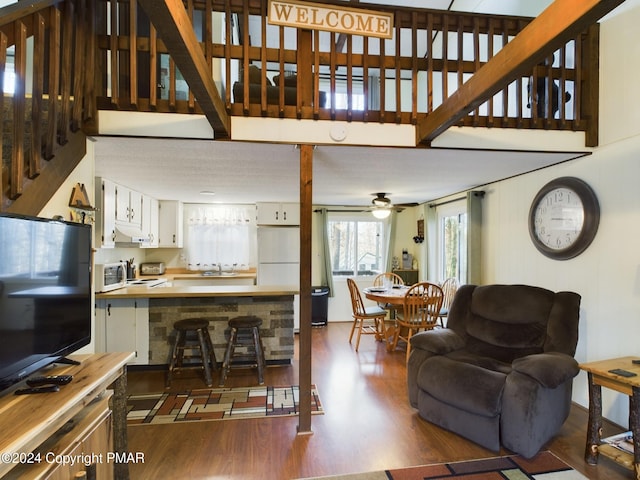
331, 18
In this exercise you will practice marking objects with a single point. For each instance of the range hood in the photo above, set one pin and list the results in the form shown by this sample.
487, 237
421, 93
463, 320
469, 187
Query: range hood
129, 234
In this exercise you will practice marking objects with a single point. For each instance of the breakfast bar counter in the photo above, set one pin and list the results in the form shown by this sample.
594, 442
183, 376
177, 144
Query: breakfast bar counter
172, 291
140, 319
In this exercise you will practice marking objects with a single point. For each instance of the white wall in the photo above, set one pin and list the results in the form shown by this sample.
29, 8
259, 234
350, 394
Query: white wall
58, 204
607, 274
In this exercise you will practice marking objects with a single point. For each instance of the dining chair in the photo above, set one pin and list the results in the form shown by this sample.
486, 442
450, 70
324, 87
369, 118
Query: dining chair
449, 288
421, 308
368, 320
384, 279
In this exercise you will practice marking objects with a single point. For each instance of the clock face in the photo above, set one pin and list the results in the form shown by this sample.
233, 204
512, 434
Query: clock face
564, 217
559, 218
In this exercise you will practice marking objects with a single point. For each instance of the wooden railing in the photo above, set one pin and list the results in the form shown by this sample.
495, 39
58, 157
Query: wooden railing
46, 95
344, 77
73, 57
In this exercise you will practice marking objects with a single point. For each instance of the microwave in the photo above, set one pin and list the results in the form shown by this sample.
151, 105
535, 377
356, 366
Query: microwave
110, 276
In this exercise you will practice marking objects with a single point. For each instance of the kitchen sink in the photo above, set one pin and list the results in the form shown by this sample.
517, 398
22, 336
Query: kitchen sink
218, 274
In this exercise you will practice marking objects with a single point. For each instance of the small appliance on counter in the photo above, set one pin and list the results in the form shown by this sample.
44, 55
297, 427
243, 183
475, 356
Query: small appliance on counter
152, 268
110, 276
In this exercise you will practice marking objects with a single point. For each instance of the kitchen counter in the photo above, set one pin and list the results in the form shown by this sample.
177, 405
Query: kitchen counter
170, 291
141, 318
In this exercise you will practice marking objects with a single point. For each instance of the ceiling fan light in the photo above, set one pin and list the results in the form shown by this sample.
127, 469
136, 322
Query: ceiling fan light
381, 212
381, 200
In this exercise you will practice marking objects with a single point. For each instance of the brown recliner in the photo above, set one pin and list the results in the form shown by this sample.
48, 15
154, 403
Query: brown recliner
501, 373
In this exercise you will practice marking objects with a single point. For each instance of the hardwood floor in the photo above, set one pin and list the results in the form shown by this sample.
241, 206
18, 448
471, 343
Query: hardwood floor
367, 425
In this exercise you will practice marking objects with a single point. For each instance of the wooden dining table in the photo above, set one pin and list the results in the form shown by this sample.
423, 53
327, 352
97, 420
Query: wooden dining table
392, 297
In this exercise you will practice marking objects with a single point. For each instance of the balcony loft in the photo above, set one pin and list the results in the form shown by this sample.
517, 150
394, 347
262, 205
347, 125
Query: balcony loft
62, 62
258, 69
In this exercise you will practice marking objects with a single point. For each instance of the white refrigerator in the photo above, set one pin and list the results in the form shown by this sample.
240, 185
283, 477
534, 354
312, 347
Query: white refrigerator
279, 261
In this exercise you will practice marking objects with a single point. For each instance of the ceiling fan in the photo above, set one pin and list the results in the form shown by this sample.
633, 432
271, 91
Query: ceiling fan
382, 205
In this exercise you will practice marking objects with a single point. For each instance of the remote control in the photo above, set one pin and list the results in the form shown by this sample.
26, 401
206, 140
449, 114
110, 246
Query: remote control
43, 389
622, 373
636, 361
49, 380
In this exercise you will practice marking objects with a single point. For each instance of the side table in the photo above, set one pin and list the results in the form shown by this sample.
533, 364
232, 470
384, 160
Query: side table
600, 376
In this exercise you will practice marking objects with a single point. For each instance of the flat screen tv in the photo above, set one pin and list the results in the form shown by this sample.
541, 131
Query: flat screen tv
45, 293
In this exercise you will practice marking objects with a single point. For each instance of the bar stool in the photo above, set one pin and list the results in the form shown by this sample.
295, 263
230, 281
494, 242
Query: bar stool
244, 331
198, 328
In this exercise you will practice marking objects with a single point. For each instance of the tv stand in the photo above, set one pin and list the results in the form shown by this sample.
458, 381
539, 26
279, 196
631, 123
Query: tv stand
84, 416
67, 361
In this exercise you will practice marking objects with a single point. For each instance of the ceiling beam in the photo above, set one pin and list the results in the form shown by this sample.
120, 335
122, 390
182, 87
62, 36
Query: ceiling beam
562, 21
170, 19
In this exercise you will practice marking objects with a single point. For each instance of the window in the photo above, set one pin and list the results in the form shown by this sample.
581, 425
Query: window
453, 244
357, 244
219, 236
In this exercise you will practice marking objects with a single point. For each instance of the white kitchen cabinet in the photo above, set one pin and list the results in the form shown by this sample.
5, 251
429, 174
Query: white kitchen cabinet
268, 213
171, 224
128, 207
122, 325
150, 221
105, 213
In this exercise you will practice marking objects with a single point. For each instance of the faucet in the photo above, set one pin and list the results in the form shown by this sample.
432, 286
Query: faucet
220, 268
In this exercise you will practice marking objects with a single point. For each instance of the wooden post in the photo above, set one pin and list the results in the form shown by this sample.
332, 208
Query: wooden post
306, 180
119, 408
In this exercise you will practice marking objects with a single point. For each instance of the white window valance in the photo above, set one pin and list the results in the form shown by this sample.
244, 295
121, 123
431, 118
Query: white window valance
219, 237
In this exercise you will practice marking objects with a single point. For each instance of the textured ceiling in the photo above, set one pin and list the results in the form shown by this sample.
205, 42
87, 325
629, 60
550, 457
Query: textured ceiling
240, 172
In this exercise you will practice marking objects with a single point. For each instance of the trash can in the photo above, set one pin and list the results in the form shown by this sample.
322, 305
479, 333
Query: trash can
319, 306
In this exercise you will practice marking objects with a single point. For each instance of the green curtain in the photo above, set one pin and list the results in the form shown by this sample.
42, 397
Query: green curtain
327, 271
474, 237
391, 239
429, 259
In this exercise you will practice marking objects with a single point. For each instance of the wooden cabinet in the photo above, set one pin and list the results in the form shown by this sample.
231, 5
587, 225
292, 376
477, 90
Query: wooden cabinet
86, 417
170, 224
409, 277
105, 199
150, 222
122, 325
89, 436
268, 213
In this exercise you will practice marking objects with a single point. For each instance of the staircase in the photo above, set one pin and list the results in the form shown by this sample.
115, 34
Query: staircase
42, 141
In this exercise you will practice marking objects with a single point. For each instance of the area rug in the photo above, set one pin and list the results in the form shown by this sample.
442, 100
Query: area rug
544, 466
217, 404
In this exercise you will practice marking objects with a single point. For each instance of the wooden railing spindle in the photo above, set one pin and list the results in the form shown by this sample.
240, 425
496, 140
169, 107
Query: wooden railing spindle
36, 95
65, 78
113, 43
383, 81
414, 68
429, 62
20, 68
505, 90
398, 73
154, 81
133, 53
476, 61
349, 78
54, 79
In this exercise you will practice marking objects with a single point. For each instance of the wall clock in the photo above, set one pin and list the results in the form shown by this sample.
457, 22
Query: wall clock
564, 218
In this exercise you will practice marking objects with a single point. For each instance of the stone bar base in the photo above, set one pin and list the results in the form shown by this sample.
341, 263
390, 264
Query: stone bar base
276, 313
